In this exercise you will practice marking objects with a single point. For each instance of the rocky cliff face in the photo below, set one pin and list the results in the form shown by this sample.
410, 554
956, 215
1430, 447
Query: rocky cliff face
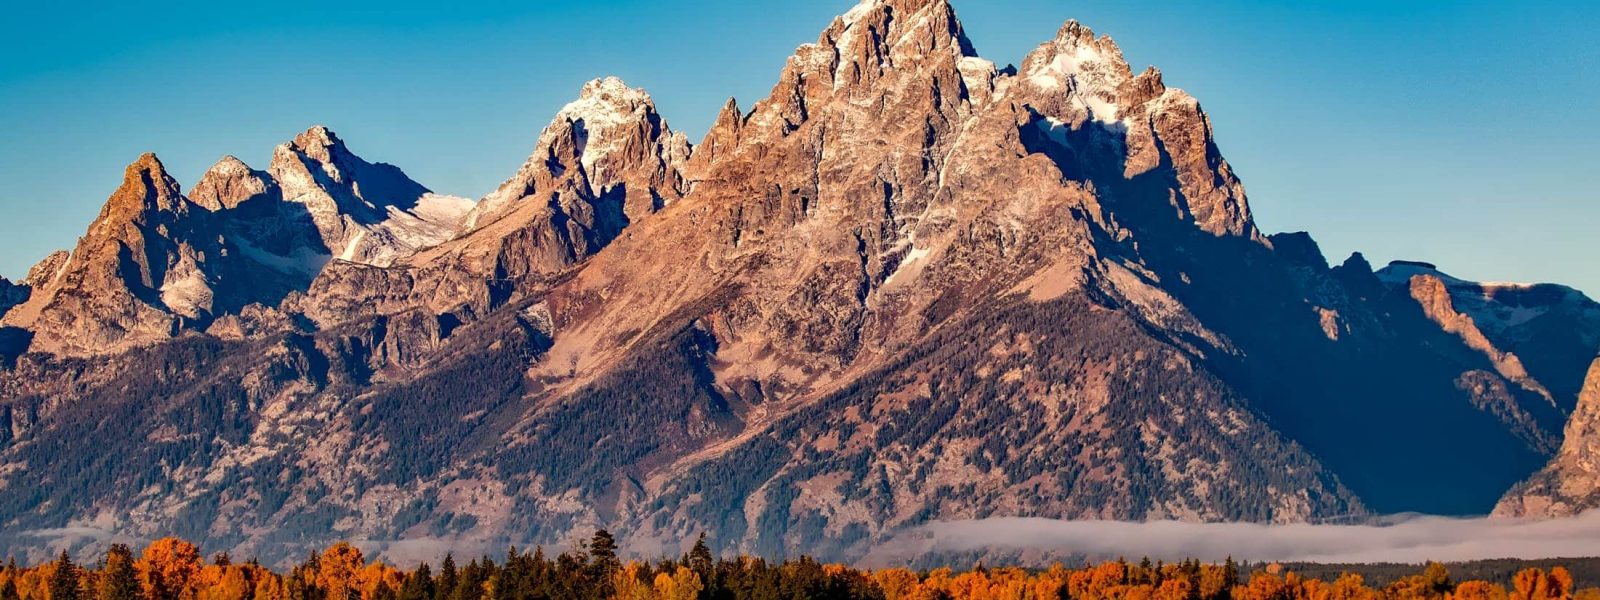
906, 285
11, 294
1570, 484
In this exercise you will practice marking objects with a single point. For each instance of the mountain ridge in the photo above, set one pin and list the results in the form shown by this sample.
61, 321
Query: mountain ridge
906, 285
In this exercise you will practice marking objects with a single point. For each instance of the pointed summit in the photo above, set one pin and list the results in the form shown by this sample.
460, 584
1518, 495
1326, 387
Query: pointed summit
146, 187
1089, 71
141, 268
319, 143
721, 139
352, 201
611, 135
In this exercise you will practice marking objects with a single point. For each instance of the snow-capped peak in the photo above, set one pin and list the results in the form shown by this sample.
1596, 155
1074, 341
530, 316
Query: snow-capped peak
604, 108
1091, 70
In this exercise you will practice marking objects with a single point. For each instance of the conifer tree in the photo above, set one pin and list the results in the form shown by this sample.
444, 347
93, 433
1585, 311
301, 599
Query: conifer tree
118, 580
700, 559
448, 578
603, 553
418, 584
64, 584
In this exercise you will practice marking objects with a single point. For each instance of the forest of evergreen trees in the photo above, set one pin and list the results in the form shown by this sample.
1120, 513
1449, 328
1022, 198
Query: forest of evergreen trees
173, 569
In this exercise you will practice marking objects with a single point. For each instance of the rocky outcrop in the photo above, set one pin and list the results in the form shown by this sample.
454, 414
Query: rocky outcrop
1571, 483
1534, 334
45, 271
11, 295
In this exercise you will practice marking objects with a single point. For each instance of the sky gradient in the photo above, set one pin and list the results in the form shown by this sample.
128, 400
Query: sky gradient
1459, 133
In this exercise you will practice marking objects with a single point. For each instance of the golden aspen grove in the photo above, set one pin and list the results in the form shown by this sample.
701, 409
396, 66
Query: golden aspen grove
174, 569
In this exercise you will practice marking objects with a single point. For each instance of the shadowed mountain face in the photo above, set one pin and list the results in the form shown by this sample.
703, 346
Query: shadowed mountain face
905, 286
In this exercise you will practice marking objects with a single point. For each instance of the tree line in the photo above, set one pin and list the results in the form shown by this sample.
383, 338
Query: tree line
173, 569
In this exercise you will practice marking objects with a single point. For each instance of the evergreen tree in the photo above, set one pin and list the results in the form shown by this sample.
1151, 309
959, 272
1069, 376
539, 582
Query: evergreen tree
64, 584
603, 553
448, 578
381, 592
700, 559
8, 590
418, 584
118, 580
469, 583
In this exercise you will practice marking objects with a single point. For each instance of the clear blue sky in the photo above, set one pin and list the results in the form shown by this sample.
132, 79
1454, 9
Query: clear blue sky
1463, 133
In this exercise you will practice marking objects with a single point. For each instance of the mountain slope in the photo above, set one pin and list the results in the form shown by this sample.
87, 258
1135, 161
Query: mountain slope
1570, 484
906, 285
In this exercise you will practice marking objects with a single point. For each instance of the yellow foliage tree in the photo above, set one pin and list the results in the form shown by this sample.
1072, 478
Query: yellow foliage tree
338, 572
626, 584
683, 584
168, 568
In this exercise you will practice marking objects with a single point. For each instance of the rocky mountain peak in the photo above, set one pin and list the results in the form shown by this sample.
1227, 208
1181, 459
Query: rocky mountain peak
722, 138
609, 137
319, 143
364, 212
146, 187
229, 183
603, 122
1090, 71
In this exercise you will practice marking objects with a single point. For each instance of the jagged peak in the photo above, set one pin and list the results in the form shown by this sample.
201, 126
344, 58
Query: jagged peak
1358, 262
228, 183
146, 186
607, 108
606, 102
893, 21
731, 117
605, 121
318, 136
318, 143
1090, 69
42, 272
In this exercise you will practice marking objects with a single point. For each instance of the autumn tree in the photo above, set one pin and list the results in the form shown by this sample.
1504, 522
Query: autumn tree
1480, 590
337, 571
683, 584
167, 567
1536, 584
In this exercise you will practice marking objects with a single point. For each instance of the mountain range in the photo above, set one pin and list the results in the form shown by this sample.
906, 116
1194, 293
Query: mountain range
908, 285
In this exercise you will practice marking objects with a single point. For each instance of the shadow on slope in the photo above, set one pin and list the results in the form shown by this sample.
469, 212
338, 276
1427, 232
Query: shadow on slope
1379, 405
